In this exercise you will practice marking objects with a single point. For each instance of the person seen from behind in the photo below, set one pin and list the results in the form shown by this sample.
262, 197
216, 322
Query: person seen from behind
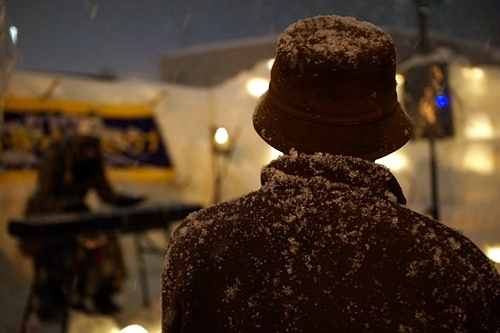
327, 243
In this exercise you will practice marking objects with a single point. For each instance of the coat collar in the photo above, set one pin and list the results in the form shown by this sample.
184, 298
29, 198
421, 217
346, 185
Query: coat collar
335, 169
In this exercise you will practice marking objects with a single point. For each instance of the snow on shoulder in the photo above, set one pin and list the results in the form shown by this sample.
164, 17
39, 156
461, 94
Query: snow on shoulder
326, 236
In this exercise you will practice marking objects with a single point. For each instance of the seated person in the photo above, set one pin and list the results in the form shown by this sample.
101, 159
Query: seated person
327, 244
69, 168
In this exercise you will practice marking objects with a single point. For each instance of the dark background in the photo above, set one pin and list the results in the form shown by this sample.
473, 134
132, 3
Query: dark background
127, 38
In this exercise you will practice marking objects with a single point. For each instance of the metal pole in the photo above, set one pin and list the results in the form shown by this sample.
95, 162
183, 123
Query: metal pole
424, 46
434, 210
423, 13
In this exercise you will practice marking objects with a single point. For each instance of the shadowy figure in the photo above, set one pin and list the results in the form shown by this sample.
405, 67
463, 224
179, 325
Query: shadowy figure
327, 244
69, 168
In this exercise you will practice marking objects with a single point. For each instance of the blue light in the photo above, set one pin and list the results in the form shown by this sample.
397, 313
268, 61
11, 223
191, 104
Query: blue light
441, 100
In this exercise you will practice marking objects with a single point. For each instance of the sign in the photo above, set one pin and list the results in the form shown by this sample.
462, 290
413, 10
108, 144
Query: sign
132, 143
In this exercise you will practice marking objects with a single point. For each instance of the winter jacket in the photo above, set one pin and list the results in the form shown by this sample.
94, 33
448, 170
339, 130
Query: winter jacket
325, 245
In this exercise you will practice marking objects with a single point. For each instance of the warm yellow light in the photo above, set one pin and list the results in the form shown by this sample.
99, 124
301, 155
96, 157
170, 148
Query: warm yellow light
221, 136
475, 73
273, 154
257, 86
400, 78
479, 126
134, 329
270, 63
480, 158
493, 253
222, 141
395, 161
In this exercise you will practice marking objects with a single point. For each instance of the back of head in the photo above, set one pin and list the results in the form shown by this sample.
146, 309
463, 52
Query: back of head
333, 90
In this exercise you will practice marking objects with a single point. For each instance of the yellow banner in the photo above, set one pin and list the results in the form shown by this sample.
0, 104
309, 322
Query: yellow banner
132, 144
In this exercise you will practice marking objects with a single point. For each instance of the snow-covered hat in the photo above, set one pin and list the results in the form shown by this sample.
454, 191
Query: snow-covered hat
333, 90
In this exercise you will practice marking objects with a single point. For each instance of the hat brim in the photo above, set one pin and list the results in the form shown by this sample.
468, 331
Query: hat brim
368, 140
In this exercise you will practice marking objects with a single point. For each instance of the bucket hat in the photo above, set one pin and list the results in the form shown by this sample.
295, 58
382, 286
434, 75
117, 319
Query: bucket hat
333, 90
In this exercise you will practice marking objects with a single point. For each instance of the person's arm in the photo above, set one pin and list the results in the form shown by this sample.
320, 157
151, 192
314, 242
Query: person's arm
108, 194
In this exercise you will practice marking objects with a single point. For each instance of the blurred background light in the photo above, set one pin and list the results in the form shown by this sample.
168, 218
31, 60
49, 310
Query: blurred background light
257, 86
474, 73
474, 80
222, 141
13, 34
479, 158
441, 100
221, 136
274, 154
134, 329
479, 126
270, 63
493, 252
395, 161
400, 79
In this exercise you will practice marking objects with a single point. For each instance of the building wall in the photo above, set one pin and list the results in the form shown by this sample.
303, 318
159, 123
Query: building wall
214, 63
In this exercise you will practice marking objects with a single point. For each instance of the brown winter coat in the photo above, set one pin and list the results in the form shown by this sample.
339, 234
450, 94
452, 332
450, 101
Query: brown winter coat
325, 245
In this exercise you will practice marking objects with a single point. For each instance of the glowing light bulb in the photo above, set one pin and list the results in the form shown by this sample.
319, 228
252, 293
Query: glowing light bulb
221, 135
